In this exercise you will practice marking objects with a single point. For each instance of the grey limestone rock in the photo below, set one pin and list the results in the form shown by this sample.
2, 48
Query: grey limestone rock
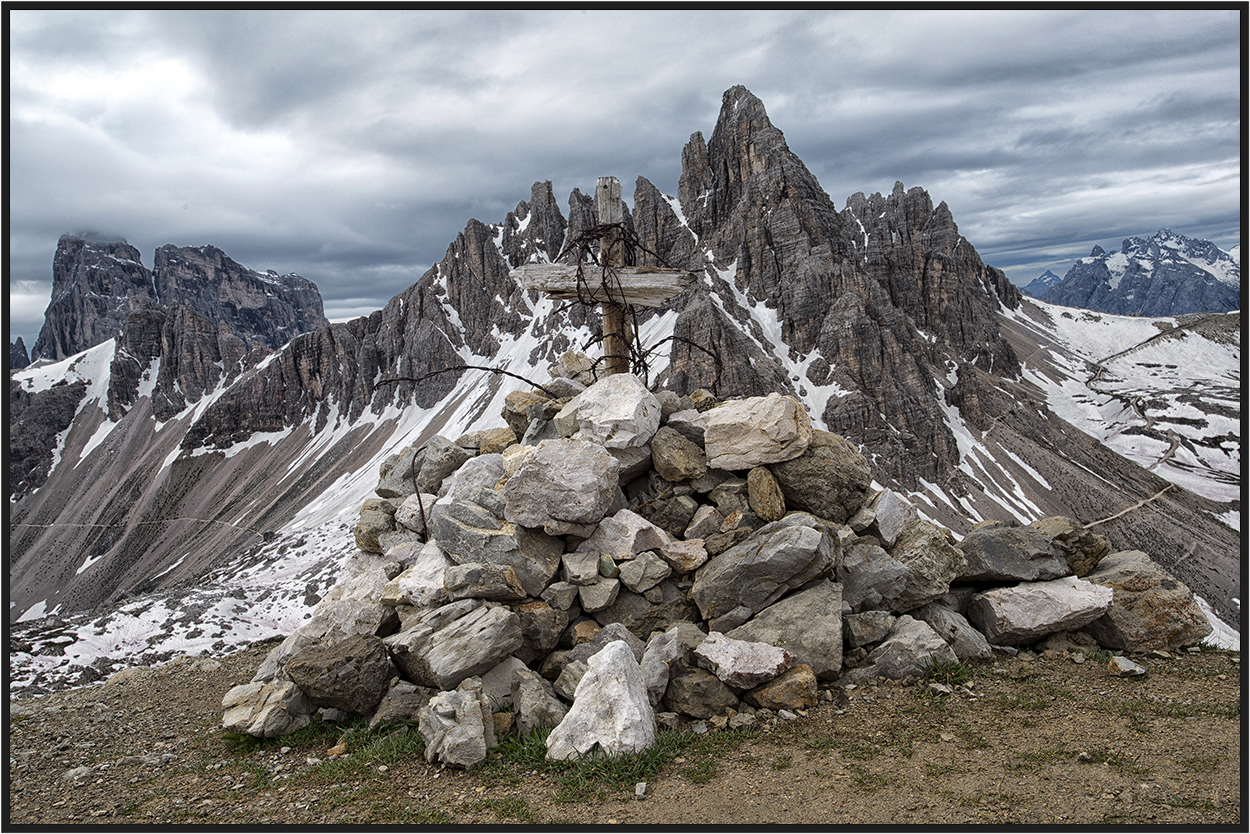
563, 486
777, 559
611, 713
998, 552
741, 434
1151, 609
807, 624
445, 647
1027, 612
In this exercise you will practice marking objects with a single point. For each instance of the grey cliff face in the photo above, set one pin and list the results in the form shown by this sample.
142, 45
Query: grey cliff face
1166, 274
92, 281
261, 307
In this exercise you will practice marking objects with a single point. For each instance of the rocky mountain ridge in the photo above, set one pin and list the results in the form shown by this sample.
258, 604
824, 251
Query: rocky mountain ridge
934, 398
1166, 274
93, 281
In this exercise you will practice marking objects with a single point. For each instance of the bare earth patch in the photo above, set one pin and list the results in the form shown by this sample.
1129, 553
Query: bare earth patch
1040, 740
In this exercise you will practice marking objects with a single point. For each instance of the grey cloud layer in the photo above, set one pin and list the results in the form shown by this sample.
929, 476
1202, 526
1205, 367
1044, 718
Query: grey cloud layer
352, 147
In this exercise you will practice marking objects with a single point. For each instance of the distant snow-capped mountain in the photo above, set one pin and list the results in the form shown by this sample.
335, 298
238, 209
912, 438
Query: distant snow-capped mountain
1166, 274
1040, 285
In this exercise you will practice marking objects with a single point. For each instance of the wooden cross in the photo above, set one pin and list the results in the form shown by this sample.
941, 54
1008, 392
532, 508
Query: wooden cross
646, 286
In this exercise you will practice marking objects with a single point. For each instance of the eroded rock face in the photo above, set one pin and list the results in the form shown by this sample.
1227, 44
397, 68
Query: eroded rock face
807, 624
932, 561
455, 642
830, 479
1151, 610
998, 552
92, 281
348, 674
749, 576
617, 412
741, 663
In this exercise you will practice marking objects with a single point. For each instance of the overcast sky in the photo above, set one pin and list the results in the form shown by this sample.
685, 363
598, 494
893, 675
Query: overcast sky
352, 146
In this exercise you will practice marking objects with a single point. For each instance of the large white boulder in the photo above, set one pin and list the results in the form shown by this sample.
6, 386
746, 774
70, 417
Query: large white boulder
617, 412
611, 712
1029, 611
741, 434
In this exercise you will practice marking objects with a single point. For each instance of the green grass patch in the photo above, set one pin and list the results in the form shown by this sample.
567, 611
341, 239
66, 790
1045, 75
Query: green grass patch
951, 674
866, 780
594, 777
507, 808
1203, 764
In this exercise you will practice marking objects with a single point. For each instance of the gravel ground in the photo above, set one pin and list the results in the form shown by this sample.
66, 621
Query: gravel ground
1033, 739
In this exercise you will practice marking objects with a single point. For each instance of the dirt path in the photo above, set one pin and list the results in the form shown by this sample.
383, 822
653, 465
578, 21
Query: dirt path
1032, 740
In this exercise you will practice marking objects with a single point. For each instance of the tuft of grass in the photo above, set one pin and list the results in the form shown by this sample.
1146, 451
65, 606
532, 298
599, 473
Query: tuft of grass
971, 739
592, 777
951, 674
1036, 759
866, 780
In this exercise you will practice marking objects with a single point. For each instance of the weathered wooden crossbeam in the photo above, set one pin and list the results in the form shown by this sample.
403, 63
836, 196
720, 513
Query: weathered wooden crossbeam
645, 286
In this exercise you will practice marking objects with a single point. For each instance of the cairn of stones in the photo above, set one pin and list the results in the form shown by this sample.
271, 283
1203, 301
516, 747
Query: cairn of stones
616, 560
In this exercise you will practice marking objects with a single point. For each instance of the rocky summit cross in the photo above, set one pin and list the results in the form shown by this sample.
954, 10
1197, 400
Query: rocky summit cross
619, 285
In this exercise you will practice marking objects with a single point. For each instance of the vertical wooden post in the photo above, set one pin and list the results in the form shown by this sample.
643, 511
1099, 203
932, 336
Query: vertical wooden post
616, 329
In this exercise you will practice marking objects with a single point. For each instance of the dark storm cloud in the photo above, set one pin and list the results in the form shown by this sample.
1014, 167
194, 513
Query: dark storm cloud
352, 147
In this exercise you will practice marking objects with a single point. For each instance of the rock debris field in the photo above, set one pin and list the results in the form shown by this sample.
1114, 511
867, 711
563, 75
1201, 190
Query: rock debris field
638, 607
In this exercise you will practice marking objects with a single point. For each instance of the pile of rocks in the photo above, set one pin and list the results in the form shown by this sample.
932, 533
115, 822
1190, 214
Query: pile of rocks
616, 560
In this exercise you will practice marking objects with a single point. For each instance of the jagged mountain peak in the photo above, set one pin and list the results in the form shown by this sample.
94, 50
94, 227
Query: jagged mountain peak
1041, 284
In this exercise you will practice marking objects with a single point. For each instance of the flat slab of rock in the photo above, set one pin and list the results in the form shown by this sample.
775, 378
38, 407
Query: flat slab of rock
483, 581
1028, 612
1004, 553
741, 434
457, 641
611, 713
741, 663
807, 624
